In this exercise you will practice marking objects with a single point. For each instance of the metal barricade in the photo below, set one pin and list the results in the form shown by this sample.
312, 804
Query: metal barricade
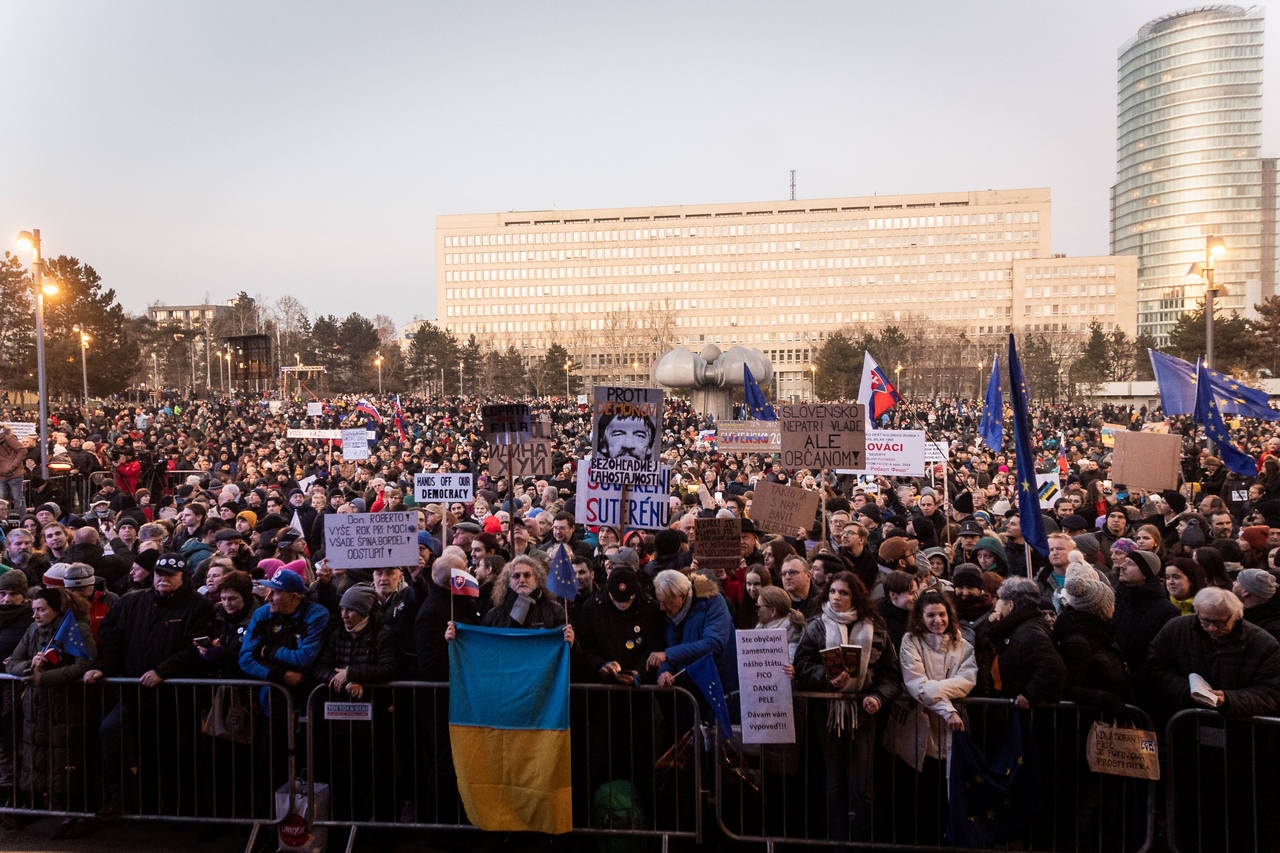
786, 793
1222, 782
634, 771
119, 749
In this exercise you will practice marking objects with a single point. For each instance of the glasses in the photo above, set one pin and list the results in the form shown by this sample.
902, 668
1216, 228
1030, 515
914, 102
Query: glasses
1215, 623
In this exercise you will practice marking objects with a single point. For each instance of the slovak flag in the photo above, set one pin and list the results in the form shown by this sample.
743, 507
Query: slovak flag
1064, 466
876, 392
397, 419
367, 408
464, 583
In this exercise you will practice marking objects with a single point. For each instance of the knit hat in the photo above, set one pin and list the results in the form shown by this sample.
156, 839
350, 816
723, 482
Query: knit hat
871, 511
667, 542
1124, 545
1147, 561
625, 557
968, 575
492, 525
1174, 499
1085, 592
14, 581
1087, 543
1259, 583
78, 575
147, 559
1074, 522
55, 575
359, 598
270, 566
1192, 536
249, 516
1256, 535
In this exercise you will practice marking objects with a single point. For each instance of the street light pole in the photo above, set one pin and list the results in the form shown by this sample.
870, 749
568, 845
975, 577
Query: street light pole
84, 361
1213, 247
567, 365
378, 361
155, 376
32, 239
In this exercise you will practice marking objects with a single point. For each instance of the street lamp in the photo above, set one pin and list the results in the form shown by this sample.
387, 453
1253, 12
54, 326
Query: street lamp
813, 380
978, 393
31, 240
227, 356
155, 376
378, 361
568, 365
84, 361
1213, 247
897, 377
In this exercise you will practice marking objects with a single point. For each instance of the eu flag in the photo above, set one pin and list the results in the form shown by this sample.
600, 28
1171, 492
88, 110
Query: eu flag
560, 577
1207, 414
68, 640
1028, 501
707, 680
992, 426
1179, 380
753, 397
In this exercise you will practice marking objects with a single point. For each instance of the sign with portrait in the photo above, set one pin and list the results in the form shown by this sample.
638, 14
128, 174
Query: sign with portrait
626, 435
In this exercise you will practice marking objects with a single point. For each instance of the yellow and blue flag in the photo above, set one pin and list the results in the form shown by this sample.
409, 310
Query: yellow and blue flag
509, 728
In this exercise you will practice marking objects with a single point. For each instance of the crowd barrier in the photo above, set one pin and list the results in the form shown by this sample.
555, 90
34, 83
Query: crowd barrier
1223, 783
385, 760
776, 794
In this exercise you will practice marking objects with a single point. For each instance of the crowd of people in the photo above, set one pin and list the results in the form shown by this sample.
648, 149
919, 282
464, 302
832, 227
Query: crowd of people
187, 540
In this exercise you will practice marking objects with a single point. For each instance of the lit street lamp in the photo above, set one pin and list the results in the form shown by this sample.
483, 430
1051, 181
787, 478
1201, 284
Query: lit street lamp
227, 357
1213, 247
813, 380
897, 377
84, 361
155, 376
378, 361
31, 240
568, 365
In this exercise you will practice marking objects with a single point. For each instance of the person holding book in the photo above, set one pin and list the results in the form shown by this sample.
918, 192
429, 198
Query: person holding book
846, 651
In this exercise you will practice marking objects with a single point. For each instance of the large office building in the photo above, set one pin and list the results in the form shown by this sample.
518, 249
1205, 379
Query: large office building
1188, 164
617, 287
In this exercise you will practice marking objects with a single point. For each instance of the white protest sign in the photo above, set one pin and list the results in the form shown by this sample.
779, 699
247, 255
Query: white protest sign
1049, 488
352, 712
315, 410
601, 503
274, 406
367, 540
765, 694
893, 453
355, 444
323, 434
626, 434
21, 430
441, 488
936, 451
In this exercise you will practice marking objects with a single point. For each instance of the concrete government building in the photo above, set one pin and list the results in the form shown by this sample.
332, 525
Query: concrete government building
617, 287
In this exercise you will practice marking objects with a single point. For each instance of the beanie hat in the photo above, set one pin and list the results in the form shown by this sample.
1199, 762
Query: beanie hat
1087, 543
1257, 582
55, 575
1124, 545
359, 598
667, 542
14, 581
968, 575
270, 566
249, 516
871, 511
77, 576
1191, 536
1147, 561
1256, 535
1085, 592
963, 503
1174, 499
492, 525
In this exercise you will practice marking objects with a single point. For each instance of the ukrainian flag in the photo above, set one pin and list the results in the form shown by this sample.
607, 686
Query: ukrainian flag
509, 728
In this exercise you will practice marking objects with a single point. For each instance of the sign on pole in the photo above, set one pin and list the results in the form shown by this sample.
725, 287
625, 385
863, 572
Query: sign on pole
936, 451
783, 509
442, 488
626, 435
527, 459
355, 444
369, 540
765, 691
601, 503
894, 453
823, 435
507, 423
717, 543
748, 437
315, 409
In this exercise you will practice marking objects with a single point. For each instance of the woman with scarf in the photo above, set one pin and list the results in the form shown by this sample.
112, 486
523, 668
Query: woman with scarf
848, 731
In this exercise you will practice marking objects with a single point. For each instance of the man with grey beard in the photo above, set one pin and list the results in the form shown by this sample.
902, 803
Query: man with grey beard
19, 553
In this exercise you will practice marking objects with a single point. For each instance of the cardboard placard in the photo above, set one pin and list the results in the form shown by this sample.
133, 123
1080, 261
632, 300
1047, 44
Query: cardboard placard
717, 543
626, 435
355, 444
823, 435
601, 503
1108, 433
748, 437
1146, 460
368, 540
315, 409
894, 453
528, 459
507, 423
765, 691
783, 509
442, 488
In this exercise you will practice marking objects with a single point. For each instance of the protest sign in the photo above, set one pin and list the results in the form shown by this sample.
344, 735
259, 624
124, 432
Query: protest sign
22, 430
542, 428
1146, 460
367, 540
315, 409
783, 509
626, 432
748, 437
601, 503
355, 444
936, 451
1109, 431
765, 690
507, 423
893, 453
321, 434
823, 435
274, 406
1161, 427
717, 543
442, 488
1049, 488
527, 459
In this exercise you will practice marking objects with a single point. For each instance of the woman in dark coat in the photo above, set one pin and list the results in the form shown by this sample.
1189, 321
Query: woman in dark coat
1082, 633
52, 705
1027, 668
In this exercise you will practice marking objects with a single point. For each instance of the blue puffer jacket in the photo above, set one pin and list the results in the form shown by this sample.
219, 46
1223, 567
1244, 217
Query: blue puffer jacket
708, 627
275, 644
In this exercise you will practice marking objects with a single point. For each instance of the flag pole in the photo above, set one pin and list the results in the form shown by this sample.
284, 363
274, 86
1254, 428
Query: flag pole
1027, 549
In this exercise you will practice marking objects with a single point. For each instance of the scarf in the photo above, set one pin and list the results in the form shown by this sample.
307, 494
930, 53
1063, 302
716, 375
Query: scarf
842, 629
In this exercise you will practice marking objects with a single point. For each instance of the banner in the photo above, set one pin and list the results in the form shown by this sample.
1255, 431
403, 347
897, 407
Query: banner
823, 435
893, 453
626, 435
442, 488
369, 540
1048, 489
783, 509
748, 437
601, 503
764, 690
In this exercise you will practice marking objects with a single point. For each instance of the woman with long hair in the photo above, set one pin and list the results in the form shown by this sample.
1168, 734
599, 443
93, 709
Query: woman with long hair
1149, 538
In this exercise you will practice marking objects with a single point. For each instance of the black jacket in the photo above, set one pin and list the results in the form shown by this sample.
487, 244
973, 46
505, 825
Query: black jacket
145, 631
1266, 616
1095, 671
1245, 666
603, 633
1141, 611
1029, 665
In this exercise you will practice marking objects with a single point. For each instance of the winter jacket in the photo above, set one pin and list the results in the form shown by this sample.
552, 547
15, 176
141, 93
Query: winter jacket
278, 643
603, 634
1266, 616
369, 656
1245, 666
12, 456
884, 676
706, 629
1027, 662
1096, 673
145, 631
14, 620
1141, 611
936, 671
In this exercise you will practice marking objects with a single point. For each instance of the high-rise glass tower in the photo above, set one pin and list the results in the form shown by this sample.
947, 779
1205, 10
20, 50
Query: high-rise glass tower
1188, 166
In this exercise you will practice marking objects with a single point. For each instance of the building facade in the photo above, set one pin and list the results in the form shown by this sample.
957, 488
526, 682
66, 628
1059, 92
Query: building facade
619, 286
187, 316
1188, 165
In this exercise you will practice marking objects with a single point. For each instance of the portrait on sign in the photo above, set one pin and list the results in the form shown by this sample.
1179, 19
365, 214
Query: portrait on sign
626, 435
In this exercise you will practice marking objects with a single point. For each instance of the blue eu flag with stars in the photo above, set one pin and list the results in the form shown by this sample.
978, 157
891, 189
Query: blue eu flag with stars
1209, 416
1028, 500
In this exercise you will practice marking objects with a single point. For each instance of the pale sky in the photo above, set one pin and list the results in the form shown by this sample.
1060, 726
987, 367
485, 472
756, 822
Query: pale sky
190, 150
